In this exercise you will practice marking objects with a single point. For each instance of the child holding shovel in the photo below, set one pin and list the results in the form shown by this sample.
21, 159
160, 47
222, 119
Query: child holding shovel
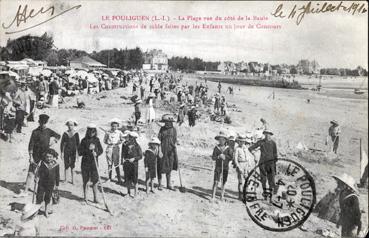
150, 161
90, 149
48, 179
222, 156
131, 154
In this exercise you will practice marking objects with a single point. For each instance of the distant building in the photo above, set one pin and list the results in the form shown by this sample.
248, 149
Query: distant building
227, 67
155, 60
86, 62
308, 67
33, 63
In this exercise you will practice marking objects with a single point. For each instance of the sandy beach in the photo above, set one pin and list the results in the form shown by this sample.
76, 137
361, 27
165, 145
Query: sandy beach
168, 213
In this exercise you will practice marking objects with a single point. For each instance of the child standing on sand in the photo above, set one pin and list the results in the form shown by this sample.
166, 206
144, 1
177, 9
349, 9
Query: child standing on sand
68, 147
48, 179
113, 139
90, 149
131, 154
150, 160
222, 156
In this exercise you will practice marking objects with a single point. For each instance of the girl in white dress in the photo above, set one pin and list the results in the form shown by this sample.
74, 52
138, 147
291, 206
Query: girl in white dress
150, 115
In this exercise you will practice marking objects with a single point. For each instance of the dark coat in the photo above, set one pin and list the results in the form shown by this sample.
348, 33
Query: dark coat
40, 141
168, 138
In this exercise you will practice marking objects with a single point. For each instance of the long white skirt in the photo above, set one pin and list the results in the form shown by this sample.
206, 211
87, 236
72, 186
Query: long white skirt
54, 100
150, 116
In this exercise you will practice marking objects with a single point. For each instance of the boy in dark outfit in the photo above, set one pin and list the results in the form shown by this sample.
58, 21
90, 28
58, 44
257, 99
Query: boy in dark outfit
48, 178
267, 162
90, 148
222, 155
150, 161
38, 145
131, 154
68, 147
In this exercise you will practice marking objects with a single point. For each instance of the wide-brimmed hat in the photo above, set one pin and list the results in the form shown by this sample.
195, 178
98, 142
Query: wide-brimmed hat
138, 101
29, 210
91, 126
43, 118
268, 132
71, 120
182, 105
241, 137
154, 140
221, 134
133, 134
334, 122
114, 120
167, 118
348, 180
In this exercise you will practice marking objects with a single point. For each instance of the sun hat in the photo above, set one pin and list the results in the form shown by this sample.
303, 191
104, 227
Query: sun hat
167, 118
221, 134
138, 101
268, 132
91, 126
29, 210
347, 180
126, 133
154, 140
241, 137
71, 120
133, 134
114, 120
334, 122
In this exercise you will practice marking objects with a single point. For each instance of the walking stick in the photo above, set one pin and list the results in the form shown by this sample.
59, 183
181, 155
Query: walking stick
35, 186
102, 188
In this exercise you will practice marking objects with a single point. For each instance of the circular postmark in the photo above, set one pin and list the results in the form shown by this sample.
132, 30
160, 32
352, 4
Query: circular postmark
284, 205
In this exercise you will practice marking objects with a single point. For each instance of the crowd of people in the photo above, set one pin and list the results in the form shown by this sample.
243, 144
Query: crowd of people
122, 150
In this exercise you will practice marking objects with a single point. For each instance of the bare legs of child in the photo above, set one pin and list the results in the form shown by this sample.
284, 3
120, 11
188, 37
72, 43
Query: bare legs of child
94, 190
151, 183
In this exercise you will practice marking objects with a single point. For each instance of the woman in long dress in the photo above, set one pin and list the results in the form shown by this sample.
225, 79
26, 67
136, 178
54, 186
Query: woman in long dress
150, 115
168, 138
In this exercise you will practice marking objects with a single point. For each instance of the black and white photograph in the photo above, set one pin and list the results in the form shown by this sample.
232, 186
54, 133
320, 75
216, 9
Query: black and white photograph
183, 118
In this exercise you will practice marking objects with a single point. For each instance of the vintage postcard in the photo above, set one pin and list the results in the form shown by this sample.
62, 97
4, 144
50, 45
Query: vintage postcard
183, 118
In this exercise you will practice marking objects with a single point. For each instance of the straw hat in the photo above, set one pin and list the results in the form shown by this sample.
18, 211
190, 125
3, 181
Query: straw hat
71, 120
334, 122
221, 134
167, 118
154, 140
126, 133
242, 137
114, 120
268, 132
348, 180
138, 101
29, 210
91, 126
133, 134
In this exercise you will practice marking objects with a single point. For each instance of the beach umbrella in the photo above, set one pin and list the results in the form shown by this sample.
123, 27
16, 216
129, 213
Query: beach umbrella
46, 72
82, 74
91, 78
71, 71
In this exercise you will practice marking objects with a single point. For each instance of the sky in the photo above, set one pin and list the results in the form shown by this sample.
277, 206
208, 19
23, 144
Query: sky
335, 39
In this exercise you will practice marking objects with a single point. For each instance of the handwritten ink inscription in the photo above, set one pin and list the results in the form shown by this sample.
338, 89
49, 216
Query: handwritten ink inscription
298, 13
26, 14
